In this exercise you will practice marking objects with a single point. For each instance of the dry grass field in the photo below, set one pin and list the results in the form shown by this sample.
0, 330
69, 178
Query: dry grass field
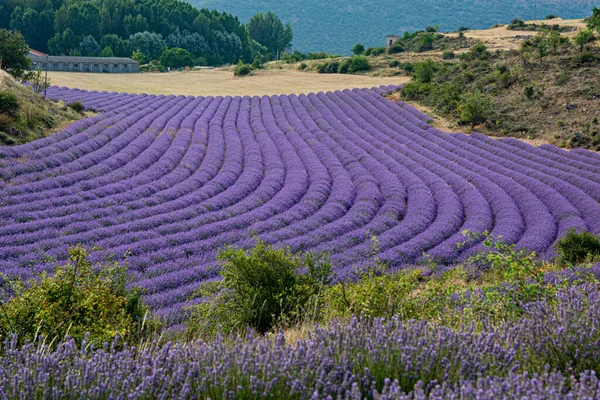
219, 82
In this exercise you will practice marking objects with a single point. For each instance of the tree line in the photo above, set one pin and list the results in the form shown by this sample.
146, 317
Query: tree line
118, 28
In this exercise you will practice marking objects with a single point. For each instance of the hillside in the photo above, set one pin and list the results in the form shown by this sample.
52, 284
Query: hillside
332, 26
34, 116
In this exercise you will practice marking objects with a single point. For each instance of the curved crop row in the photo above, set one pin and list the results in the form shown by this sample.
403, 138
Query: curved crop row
168, 180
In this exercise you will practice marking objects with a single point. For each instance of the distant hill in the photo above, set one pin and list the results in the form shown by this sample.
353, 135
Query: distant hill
335, 26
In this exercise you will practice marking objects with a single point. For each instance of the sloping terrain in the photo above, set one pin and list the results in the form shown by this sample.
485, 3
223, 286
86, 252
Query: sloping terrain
163, 182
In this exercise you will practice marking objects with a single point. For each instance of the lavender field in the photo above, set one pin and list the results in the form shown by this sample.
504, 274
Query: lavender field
164, 182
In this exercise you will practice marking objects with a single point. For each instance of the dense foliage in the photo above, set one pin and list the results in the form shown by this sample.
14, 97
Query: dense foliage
120, 27
13, 53
80, 300
164, 182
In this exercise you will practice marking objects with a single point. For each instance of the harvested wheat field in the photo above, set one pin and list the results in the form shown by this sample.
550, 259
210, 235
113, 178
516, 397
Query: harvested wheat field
217, 82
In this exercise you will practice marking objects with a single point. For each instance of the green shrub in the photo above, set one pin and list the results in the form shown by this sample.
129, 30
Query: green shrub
448, 55
358, 49
302, 66
375, 51
425, 42
529, 91
395, 48
6, 122
394, 63
551, 16
331, 67
423, 71
76, 106
78, 298
474, 108
260, 289
516, 24
242, 70
354, 64
8, 103
577, 247
584, 36
463, 28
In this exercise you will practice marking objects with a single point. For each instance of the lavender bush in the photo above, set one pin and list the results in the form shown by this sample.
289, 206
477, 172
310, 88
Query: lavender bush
552, 352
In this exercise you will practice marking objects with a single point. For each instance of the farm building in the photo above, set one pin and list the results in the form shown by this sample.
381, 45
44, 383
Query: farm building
83, 64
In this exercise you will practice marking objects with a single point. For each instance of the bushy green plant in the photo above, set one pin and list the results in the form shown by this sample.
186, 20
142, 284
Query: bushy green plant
423, 71
395, 48
9, 104
242, 70
474, 108
448, 55
375, 51
79, 298
529, 91
394, 63
578, 247
260, 289
6, 122
583, 37
330, 67
302, 66
76, 106
358, 49
354, 64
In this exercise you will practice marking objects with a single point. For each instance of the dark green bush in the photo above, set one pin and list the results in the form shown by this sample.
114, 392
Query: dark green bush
78, 298
261, 289
242, 70
354, 64
302, 66
395, 48
423, 71
463, 28
551, 16
8, 103
331, 67
425, 42
6, 122
474, 108
529, 91
76, 106
394, 63
375, 51
577, 247
448, 55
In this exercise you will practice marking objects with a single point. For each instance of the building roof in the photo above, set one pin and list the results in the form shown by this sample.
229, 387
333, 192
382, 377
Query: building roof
37, 53
85, 60
392, 35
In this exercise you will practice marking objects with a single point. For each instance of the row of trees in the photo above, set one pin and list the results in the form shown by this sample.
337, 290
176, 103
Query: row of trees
121, 27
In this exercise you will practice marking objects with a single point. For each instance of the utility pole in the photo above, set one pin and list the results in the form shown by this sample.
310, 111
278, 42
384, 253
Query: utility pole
46, 78
535, 10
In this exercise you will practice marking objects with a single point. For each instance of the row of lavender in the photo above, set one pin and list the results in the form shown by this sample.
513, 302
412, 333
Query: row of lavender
166, 181
379, 360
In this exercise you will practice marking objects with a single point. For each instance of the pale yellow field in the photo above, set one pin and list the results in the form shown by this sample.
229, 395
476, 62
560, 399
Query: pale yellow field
221, 82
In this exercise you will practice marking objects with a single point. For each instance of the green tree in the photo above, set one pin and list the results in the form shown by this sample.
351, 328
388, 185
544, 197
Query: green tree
149, 43
594, 21
268, 30
474, 108
423, 71
83, 18
119, 46
554, 40
106, 52
177, 58
139, 57
35, 26
13, 52
89, 47
358, 49
584, 36
65, 43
